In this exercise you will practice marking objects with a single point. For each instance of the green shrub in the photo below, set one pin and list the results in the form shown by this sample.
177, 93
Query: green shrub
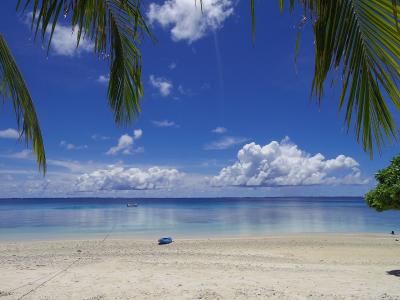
386, 195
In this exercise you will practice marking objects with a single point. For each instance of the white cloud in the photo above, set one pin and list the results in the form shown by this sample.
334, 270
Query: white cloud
24, 154
103, 79
225, 143
119, 178
76, 167
9, 134
73, 166
125, 144
165, 123
187, 21
185, 91
70, 146
137, 133
163, 85
99, 137
219, 130
284, 164
64, 42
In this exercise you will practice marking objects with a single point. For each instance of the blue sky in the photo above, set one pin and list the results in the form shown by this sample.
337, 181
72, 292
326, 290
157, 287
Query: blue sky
221, 116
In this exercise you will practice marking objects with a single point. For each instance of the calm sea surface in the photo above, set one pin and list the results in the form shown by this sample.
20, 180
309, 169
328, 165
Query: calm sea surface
194, 217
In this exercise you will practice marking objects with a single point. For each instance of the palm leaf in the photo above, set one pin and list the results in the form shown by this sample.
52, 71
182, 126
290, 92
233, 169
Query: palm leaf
363, 40
116, 27
360, 38
12, 86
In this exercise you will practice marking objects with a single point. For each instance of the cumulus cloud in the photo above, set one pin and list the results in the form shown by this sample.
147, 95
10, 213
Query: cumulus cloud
284, 164
187, 21
163, 85
9, 133
119, 178
225, 143
125, 144
70, 146
165, 123
219, 130
103, 79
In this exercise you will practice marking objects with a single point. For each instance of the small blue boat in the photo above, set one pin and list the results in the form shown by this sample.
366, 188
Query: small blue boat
165, 240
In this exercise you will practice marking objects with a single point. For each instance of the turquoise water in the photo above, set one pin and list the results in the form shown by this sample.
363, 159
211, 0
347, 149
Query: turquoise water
190, 217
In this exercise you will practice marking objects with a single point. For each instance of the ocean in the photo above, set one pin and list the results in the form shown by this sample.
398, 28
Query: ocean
70, 218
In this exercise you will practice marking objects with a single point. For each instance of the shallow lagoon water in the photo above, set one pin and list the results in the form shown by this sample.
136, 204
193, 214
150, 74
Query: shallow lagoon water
69, 218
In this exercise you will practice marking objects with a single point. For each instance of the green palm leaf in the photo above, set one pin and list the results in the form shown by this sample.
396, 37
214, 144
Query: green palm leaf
12, 86
361, 39
116, 27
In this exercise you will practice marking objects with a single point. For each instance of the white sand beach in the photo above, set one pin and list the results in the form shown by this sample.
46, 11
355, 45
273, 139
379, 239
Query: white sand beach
275, 267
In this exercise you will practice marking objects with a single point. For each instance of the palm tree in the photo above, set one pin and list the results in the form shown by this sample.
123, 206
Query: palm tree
359, 39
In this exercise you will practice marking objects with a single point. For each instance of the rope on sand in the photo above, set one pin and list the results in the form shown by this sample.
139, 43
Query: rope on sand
51, 278
55, 274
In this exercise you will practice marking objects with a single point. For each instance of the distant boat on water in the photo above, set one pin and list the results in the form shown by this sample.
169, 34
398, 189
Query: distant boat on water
132, 205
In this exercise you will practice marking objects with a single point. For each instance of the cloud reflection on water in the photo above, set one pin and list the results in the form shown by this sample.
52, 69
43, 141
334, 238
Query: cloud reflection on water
190, 217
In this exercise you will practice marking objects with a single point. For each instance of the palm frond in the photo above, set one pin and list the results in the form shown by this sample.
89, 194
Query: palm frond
360, 36
12, 86
116, 27
361, 39
253, 19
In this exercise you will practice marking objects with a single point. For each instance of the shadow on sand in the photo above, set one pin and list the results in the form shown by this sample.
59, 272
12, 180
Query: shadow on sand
394, 273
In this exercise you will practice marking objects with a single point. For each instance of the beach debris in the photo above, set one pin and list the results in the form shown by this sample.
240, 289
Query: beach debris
165, 240
4, 293
95, 297
208, 294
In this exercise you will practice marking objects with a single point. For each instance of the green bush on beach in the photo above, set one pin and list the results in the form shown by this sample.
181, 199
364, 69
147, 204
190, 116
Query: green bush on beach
386, 195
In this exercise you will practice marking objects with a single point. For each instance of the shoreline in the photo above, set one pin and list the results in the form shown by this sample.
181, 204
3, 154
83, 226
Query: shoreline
197, 198
328, 266
198, 237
